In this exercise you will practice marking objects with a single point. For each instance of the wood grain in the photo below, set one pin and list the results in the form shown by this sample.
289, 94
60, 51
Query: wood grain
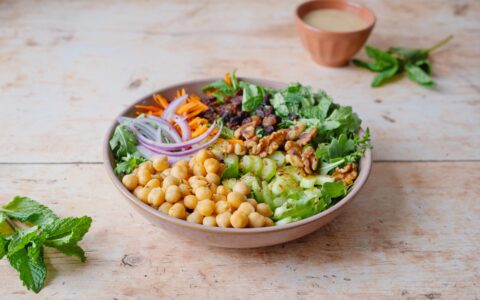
402, 238
67, 68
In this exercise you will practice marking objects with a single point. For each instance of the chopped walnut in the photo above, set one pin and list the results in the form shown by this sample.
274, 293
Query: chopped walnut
309, 159
240, 149
294, 133
294, 160
346, 174
306, 137
293, 148
246, 131
272, 142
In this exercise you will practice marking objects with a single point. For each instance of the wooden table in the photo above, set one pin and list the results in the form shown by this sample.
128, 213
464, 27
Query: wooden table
67, 68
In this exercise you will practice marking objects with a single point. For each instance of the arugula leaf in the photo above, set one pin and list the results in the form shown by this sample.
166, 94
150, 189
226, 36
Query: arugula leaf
333, 189
128, 164
64, 234
341, 146
32, 270
123, 142
418, 75
327, 167
220, 89
252, 97
26, 209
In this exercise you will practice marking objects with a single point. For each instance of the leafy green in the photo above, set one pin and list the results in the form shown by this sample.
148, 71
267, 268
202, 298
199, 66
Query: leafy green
252, 96
25, 209
127, 164
64, 234
221, 89
396, 60
341, 146
24, 246
32, 269
124, 147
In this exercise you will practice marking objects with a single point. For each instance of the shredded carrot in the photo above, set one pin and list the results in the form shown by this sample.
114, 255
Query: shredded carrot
232, 141
227, 79
160, 100
147, 107
180, 93
186, 107
197, 122
199, 131
194, 98
194, 113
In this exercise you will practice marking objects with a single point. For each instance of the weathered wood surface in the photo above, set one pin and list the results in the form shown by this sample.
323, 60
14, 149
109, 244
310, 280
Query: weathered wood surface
402, 238
67, 68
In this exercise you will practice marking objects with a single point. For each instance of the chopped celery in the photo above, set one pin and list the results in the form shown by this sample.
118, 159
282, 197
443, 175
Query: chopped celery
269, 169
278, 157
231, 161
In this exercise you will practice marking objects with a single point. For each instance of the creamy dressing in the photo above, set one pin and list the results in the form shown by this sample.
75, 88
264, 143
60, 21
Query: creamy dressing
334, 20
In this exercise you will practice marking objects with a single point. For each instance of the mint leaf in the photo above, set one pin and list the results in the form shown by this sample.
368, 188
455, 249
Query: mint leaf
419, 76
3, 247
21, 239
25, 209
5, 228
32, 269
64, 234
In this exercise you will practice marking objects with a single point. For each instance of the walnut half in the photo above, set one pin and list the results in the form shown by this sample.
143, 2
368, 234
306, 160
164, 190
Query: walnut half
347, 174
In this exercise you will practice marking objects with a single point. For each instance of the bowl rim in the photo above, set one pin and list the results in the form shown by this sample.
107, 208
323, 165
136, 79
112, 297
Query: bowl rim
347, 2
365, 163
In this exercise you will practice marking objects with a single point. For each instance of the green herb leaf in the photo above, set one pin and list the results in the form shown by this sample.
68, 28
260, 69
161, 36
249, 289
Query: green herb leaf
382, 58
384, 76
341, 146
25, 209
252, 97
418, 75
32, 269
21, 239
333, 189
64, 234
372, 66
128, 164
5, 228
409, 54
123, 142
3, 247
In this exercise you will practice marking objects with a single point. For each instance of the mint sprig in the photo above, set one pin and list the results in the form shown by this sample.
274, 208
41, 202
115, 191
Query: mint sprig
26, 227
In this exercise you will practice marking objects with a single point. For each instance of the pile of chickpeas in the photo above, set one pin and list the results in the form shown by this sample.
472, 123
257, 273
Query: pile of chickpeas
192, 191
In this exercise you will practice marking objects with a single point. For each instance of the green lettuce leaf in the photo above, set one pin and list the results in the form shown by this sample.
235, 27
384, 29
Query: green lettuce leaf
252, 96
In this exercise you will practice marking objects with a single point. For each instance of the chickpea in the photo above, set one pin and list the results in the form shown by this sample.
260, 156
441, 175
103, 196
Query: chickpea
252, 202
199, 170
192, 162
166, 172
235, 199
223, 219
203, 193
196, 178
198, 183
135, 171
173, 194
142, 194
213, 187
222, 190
246, 208
179, 171
153, 183
210, 221
160, 163
177, 211
156, 197
218, 197
182, 163
158, 176
242, 188
147, 165
264, 209
239, 220
202, 155
185, 189
170, 180
268, 222
206, 207
195, 217
190, 201
221, 207
165, 207
256, 220
211, 165
130, 181
213, 178
144, 176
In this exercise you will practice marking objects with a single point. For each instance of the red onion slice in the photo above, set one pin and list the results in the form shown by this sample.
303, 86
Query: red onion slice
182, 122
172, 107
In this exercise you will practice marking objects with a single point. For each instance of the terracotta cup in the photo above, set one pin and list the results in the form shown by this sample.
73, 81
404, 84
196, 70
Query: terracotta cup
328, 48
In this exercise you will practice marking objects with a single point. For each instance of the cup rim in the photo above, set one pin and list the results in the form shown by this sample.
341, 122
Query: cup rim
348, 3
